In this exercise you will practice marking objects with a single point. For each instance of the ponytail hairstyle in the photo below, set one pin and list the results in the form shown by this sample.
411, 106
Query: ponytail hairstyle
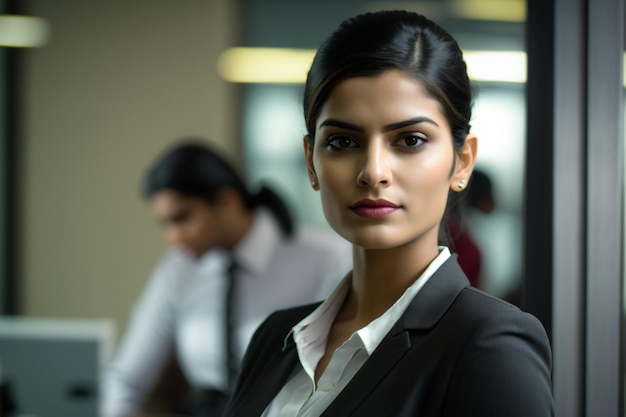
193, 169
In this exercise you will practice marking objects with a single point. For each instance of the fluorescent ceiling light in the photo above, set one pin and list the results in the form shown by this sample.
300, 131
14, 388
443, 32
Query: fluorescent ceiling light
499, 66
276, 65
265, 65
488, 10
23, 31
494, 10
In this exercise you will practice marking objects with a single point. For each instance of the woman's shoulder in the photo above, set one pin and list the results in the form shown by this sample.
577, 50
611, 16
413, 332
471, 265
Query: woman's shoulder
504, 357
487, 303
485, 311
489, 300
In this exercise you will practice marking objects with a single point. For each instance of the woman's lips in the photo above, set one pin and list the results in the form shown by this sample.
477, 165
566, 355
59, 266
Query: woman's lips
373, 209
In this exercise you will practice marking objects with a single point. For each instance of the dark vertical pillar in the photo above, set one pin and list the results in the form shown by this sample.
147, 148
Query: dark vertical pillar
9, 165
605, 195
574, 197
569, 194
538, 235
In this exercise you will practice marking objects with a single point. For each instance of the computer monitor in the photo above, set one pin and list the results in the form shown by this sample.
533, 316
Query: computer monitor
50, 367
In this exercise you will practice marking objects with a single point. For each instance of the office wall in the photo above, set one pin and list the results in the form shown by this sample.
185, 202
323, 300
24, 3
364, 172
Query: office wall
115, 84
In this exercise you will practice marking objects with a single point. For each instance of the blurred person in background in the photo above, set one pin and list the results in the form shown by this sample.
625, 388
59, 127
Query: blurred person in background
480, 194
220, 234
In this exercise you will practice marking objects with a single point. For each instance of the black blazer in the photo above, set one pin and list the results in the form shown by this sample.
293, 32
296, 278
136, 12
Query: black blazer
455, 352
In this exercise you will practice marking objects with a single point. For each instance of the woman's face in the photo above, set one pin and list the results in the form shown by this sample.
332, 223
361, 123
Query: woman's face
384, 161
189, 222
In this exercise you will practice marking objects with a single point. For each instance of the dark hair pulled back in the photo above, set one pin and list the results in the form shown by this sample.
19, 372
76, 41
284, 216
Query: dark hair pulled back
193, 169
371, 43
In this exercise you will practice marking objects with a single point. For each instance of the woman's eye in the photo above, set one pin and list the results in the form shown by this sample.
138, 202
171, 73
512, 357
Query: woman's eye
341, 142
414, 140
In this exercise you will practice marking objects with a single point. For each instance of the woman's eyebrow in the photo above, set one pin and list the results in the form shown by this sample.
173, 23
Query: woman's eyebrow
410, 122
386, 128
340, 124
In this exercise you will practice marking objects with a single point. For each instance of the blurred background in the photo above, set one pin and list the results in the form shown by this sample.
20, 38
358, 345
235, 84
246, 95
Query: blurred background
100, 88
112, 84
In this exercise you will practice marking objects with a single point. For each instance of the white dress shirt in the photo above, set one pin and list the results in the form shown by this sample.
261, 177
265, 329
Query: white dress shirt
181, 308
300, 397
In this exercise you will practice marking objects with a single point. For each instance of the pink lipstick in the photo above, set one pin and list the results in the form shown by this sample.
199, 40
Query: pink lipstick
373, 209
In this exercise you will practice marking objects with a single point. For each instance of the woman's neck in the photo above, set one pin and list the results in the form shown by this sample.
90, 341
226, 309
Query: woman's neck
380, 277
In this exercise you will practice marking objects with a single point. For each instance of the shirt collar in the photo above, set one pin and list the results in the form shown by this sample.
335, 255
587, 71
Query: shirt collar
254, 253
209, 262
373, 333
328, 309
319, 321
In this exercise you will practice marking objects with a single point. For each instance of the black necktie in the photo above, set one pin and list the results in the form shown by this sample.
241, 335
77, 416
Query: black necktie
232, 363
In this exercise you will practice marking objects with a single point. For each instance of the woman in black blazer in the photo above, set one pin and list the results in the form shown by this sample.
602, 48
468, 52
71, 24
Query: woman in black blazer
387, 106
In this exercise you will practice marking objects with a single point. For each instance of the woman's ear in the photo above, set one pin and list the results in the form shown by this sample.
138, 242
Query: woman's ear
465, 161
228, 198
308, 156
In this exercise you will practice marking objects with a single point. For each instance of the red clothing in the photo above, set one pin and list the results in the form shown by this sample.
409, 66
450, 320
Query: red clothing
464, 245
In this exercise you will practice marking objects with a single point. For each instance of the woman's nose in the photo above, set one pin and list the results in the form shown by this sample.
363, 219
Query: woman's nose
375, 169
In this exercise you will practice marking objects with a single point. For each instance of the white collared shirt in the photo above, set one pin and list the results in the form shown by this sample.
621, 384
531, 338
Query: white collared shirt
182, 307
300, 397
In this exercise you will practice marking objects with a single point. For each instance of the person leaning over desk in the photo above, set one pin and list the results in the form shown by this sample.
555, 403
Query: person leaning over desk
387, 106
210, 218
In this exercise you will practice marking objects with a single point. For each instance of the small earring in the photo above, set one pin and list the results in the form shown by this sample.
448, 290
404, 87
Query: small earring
313, 183
461, 185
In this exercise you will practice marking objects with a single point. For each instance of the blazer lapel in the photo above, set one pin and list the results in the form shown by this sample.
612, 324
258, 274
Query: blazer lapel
283, 364
276, 370
364, 382
428, 306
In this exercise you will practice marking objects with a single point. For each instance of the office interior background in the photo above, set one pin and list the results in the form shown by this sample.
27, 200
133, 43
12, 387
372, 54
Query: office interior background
108, 85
